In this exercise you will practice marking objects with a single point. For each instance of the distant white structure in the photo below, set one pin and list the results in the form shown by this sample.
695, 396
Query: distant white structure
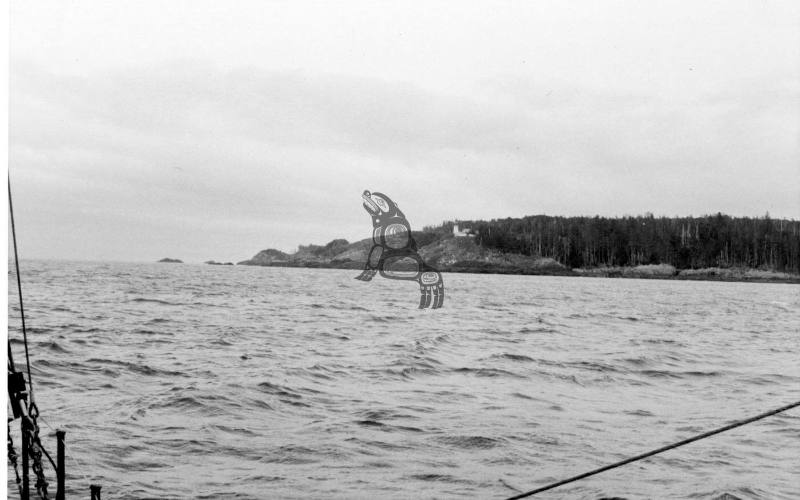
461, 234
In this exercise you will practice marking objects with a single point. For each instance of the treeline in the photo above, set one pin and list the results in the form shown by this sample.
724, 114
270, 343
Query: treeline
684, 242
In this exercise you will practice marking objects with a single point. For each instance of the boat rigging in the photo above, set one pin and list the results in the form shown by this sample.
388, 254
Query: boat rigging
23, 407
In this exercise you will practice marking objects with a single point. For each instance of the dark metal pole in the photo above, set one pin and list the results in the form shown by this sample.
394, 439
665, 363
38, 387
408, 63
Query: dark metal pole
25, 452
60, 472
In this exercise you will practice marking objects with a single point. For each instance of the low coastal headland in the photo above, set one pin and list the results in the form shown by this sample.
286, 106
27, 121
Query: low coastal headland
552, 246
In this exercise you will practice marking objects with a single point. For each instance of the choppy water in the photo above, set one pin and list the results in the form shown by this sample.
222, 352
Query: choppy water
190, 381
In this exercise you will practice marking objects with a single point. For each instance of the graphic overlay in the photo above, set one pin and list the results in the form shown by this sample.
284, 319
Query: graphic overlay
394, 251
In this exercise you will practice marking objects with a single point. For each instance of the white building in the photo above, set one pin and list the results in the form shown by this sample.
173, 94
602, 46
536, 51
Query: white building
461, 234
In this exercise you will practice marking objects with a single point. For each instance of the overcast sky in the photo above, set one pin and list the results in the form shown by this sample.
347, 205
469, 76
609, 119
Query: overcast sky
212, 130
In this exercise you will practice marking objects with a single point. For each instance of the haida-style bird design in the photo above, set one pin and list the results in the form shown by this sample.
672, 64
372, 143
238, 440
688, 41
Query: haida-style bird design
394, 251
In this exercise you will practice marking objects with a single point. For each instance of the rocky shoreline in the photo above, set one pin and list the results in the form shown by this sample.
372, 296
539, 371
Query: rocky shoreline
663, 271
463, 255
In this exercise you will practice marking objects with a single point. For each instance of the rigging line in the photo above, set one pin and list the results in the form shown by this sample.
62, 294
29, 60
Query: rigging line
657, 451
79, 467
11, 366
19, 289
67, 450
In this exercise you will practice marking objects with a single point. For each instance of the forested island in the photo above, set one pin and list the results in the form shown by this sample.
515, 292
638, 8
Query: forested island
714, 247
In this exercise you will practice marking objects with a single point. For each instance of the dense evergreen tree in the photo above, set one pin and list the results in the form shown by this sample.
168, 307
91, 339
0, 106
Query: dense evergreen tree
684, 242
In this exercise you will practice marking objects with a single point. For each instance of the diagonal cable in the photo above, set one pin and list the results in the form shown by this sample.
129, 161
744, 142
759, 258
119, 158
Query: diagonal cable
692, 439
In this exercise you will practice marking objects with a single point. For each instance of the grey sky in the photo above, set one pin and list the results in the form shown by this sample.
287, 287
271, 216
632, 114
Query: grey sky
212, 130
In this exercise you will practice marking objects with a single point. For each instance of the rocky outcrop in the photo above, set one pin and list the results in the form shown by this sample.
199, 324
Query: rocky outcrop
167, 260
444, 252
267, 257
448, 253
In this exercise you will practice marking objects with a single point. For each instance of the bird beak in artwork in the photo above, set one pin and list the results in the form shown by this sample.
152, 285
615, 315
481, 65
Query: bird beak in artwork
370, 205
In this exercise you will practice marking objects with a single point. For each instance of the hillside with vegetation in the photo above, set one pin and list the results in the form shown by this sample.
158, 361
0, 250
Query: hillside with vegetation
708, 247
715, 241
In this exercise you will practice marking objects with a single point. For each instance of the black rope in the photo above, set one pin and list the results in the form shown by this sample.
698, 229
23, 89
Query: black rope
19, 289
655, 452
11, 366
12, 457
41, 446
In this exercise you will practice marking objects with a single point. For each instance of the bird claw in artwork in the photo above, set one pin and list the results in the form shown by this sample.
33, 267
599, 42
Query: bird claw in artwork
366, 275
431, 296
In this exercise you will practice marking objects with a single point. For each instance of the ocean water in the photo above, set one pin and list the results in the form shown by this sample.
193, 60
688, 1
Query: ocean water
195, 381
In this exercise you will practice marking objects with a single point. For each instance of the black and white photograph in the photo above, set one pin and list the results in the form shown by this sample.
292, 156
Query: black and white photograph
403, 250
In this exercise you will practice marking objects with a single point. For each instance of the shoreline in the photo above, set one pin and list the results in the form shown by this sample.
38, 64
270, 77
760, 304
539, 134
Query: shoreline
742, 275
447, 252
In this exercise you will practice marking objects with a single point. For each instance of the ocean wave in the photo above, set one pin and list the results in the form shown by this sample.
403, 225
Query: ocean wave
235, 386
513, 357
138, 368
470, 442
487, 372
156, 301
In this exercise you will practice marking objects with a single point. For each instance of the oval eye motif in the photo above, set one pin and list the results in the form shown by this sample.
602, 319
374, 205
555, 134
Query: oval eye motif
396, 236
429, 278
401, 267
375, 254
382, 204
